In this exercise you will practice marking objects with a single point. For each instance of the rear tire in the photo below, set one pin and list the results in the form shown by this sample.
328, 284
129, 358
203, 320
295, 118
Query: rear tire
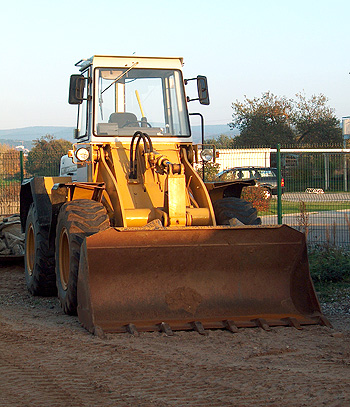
77, 219
39, 257
228, 208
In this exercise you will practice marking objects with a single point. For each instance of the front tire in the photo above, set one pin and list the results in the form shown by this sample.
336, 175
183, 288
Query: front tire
77, 219
228, 208
39, 257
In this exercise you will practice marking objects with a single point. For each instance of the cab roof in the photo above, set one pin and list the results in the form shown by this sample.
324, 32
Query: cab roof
110, 61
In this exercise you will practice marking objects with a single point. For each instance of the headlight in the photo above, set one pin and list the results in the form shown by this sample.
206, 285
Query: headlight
207, 155
82, 154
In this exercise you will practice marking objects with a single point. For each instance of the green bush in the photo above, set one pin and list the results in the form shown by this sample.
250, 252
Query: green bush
329, 264
257, 197
210, 171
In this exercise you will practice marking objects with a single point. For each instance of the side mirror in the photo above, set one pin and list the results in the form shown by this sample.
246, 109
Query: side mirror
203, 93
76, 89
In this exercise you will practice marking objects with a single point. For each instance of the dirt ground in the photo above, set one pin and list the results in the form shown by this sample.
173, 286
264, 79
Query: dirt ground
47, 359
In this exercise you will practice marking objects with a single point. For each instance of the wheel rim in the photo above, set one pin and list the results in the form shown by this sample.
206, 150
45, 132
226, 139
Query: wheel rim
64, 258
30, 249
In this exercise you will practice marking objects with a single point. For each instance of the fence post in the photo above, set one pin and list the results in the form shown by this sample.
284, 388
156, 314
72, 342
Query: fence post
345, 174
279, 188
326, 172
21, 165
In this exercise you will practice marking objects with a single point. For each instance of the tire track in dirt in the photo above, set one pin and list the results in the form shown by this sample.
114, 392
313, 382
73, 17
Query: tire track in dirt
33, 372
132, 368
44, 350
143, 376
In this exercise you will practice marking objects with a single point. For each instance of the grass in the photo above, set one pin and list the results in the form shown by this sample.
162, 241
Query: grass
294, 207
330, 271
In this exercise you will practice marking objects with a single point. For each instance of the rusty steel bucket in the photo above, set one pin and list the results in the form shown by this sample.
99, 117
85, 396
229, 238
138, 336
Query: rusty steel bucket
195, 278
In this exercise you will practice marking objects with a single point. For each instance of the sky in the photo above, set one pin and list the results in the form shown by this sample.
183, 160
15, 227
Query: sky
245, 48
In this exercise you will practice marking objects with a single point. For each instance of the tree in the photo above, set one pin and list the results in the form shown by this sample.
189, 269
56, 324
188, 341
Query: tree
314, 121
269, 120
44, 158
223, 141
4, 148
263, 121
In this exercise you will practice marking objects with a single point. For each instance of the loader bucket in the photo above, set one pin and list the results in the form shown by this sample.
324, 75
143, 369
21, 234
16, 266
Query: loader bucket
195, 278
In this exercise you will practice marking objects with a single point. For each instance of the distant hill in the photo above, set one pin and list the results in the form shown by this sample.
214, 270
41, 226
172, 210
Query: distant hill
25, 136
212, 131
31, 133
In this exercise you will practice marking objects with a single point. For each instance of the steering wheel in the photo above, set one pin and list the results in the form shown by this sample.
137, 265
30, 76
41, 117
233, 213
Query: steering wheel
130, 124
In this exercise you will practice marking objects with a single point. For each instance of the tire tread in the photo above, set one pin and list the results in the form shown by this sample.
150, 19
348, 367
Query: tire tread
232, 207
81, 218
42, 281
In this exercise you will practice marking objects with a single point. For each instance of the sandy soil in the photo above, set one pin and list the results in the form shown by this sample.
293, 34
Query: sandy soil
47, 359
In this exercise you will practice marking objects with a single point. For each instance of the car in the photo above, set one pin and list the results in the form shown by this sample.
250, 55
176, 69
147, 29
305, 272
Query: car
264, 177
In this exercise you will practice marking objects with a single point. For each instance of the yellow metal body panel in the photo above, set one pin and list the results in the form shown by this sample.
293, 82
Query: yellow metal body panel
49, 182
176, 187
177, 199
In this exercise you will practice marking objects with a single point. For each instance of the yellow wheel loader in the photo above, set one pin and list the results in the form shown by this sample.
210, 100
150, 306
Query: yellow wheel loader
134, 240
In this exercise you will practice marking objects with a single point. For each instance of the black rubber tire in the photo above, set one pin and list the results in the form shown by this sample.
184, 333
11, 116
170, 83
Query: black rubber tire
39, 257
231, 207
76, 220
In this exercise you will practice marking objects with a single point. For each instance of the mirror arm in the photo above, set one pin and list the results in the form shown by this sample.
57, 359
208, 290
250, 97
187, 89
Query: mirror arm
187, 80
190, 100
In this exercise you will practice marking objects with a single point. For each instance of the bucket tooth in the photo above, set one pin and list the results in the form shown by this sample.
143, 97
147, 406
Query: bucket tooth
230, 326
164, 327
261, 322
98, 331
197, 326
131, 328
292, 322
322, 320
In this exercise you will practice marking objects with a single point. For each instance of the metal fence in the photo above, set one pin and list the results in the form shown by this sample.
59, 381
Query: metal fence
13, 170
315, 199
10, 182
318, 181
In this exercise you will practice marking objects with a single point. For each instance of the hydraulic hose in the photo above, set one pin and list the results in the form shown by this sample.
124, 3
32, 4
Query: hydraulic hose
148, 146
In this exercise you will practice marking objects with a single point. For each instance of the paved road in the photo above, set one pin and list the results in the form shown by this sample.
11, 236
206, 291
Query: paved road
328, 197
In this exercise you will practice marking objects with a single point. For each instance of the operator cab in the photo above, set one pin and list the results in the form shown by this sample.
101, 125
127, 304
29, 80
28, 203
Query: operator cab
118, 96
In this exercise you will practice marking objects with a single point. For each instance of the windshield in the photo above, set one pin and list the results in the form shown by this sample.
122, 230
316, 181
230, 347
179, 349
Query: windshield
128, 99
267, 173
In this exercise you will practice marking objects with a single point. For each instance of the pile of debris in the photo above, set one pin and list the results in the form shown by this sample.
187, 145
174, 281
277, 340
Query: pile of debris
11, 237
